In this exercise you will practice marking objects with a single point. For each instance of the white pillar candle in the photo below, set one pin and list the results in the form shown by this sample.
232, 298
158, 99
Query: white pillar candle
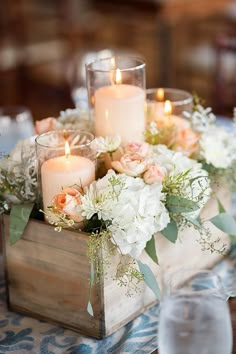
65, 171
120, 110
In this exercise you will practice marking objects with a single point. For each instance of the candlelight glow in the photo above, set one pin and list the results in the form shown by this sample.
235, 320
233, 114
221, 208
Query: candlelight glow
160, 94
118, 78
67, 149
113, 63
167, 108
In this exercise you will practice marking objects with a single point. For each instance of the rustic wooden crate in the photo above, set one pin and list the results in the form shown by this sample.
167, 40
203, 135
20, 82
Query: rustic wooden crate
47, 275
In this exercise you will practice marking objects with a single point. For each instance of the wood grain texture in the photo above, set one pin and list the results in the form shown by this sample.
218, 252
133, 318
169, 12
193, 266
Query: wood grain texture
48, 275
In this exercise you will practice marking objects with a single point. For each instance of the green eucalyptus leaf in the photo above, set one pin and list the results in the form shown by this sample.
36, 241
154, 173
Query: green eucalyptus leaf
149, 279
196, 222
151, 249
177, 204
220, 207
90, 309
225, 223
91, 281
171, 231
19, 217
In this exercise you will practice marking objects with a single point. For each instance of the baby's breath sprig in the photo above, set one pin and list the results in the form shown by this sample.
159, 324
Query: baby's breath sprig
58, 220
127, 275
99, 243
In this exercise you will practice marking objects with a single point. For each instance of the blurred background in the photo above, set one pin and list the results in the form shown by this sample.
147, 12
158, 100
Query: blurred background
187, 44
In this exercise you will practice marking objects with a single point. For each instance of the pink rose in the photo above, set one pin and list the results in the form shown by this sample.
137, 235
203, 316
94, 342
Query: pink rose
137, 148
67, 202
45, 125
131, 164
186, 140
154, 174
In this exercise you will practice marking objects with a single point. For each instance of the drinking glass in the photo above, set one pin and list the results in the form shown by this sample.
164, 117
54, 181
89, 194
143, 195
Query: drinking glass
194, 316
16, 123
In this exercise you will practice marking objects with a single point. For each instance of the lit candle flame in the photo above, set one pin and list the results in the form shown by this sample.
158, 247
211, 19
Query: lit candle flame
67, 149
167, 108
118, 78
160, 94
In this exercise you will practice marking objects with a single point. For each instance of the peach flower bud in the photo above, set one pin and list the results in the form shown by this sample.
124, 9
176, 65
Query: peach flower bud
154, 174
137, 148
67, 202
45, 125
130, 164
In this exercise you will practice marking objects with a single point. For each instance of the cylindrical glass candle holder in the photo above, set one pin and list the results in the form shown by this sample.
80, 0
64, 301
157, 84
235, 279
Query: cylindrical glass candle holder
65, 159
116, 89
179, 101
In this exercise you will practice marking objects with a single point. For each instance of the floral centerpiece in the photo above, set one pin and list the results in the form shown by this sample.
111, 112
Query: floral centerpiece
160, 185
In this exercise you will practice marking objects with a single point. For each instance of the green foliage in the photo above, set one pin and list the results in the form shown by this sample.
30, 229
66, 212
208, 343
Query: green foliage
171, 231
19, 217
151, 249
225, 223
173, 184
178, 204
98, 244
91, 282
127, 275
149, 279
197, 100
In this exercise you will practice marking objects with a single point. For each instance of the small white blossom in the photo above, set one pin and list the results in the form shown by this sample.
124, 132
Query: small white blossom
202, 119
152, 128
108, 144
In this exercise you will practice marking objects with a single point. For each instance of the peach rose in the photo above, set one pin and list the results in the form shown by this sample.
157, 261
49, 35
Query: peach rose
45, 125
186, 140
131, 164
67, 202
154, 174
137, 148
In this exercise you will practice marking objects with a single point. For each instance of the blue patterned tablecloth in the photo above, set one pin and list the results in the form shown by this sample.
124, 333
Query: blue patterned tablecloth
23, 335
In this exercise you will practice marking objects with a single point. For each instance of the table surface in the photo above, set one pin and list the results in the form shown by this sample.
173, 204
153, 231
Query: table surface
232, 304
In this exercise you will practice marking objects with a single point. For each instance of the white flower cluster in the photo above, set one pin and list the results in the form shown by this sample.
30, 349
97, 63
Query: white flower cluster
201, 119
135, 210
218, 147
74, 119
18, 171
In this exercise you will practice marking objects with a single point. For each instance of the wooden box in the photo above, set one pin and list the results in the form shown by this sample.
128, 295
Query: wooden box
47, 275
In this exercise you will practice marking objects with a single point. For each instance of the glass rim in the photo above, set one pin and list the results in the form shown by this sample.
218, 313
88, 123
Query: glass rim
186, 100
132, 68
61, 131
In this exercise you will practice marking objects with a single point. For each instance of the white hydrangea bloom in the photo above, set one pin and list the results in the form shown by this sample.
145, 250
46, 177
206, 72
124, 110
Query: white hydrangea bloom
218, 147
136, 210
